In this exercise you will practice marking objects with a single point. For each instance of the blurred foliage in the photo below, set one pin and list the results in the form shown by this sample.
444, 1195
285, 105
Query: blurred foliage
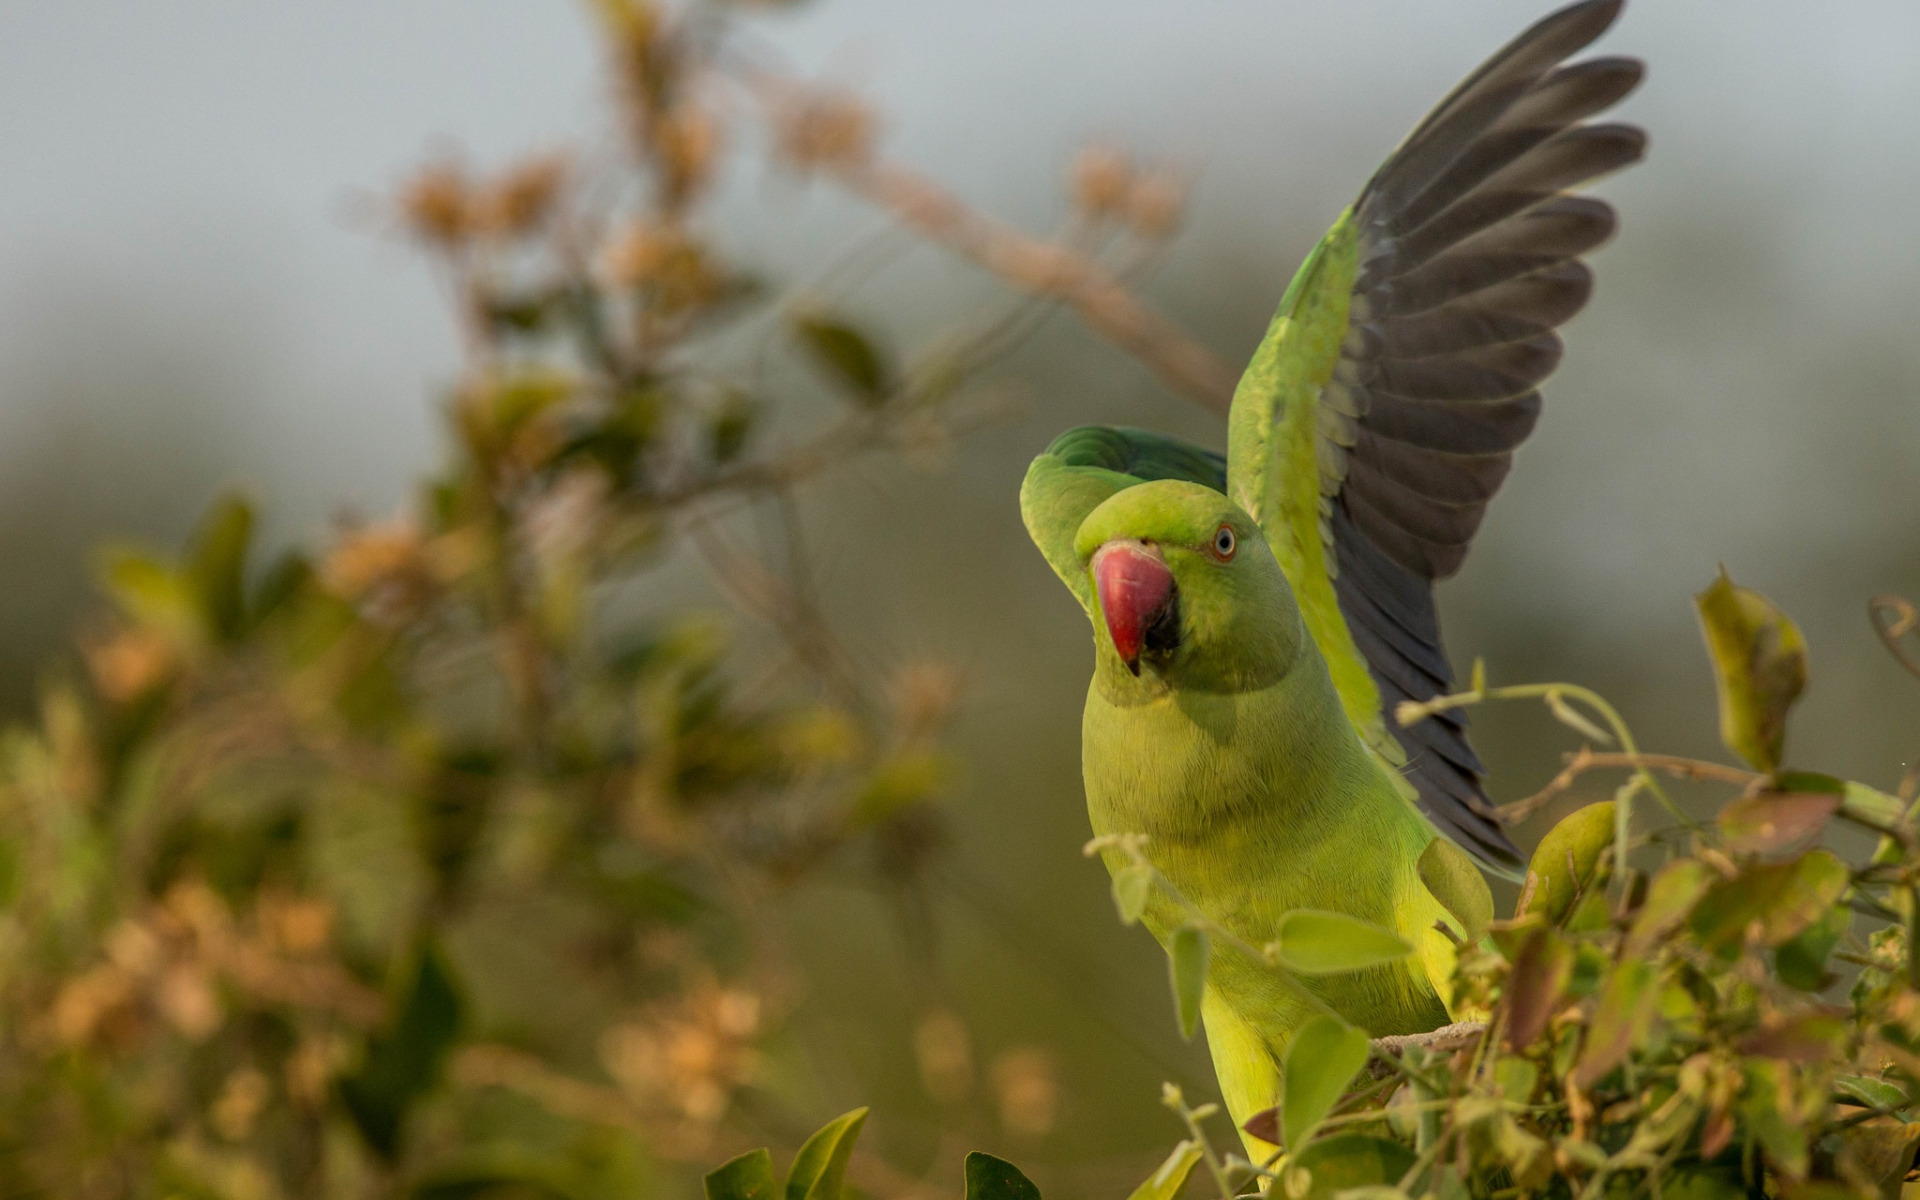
421, 863
1673, 1008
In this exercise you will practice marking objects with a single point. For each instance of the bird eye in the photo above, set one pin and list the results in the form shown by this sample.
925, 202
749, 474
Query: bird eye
1224, 543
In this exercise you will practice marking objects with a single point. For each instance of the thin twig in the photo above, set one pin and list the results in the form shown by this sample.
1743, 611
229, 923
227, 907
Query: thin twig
1042, 269
1586, 759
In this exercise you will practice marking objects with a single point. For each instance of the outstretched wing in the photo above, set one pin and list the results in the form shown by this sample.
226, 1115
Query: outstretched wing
1381, 412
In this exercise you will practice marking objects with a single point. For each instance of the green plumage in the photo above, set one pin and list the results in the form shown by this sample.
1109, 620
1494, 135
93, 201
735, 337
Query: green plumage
1249, 735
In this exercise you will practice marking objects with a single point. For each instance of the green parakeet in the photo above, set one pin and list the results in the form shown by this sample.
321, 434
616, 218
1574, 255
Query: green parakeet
1258, 618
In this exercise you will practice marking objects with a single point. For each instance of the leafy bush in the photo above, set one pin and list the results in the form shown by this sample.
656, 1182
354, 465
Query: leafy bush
443, 857
1674, 1008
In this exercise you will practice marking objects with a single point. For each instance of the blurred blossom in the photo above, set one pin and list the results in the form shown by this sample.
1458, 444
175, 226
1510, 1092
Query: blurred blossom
186, 997
825, 131
1155, 204
687, 144
241, 1098
1102, 181
924, 696
1105, 184
128, 663
519, 201
1026, 1090
374, 556
438, 204
298, 925
687, 1054
945, 1054
667, 262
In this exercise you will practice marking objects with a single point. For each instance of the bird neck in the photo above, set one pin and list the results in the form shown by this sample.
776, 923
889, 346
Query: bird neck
1183, 766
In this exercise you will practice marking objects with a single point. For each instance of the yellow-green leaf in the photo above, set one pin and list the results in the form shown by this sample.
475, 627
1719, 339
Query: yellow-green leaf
821, 1166
898, 783
1458, 885
217, 564
1801, 960
1871, 804
748, 1177
1165, 1183
1187, 959
1874, 1093
1338, 1164
1782, 898
1317, 942
1132, 886
1675, 889
1563, 864
1325, 1056
1622, 1019
1759, 667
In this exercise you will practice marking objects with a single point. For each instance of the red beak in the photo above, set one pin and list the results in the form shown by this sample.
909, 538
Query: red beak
1135, 588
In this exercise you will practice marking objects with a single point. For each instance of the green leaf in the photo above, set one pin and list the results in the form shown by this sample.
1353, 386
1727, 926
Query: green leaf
1801, 961
1870, 804
849, 356
1516, 1078
217, 565
747, 1177
1165, 1183
1132, 886
403, 1062
1314, 941
1325, 1056
1780, 1134
525, 1182
1769, 822
990, 1178
821, 1166
1874, 1093
152, 593
1671, 895
1622, 1018
1564, 863
1759, 667
900, 781
1458, 885
1590, 966
1879, 1151
1783, 898
1187, 959
1541, 971
1694, 1182
286, 579
1337, 1164
730, 425
1807, 1038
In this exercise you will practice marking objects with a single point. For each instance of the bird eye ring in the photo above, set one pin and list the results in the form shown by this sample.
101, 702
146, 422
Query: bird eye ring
1224, 543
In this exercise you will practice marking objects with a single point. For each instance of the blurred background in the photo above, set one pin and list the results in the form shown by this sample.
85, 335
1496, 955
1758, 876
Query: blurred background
197, 290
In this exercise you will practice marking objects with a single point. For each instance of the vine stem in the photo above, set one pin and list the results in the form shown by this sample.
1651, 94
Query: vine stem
1556, 696
1172, 1097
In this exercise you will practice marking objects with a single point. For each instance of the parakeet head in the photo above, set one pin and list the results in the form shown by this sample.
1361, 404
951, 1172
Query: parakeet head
1187, 590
